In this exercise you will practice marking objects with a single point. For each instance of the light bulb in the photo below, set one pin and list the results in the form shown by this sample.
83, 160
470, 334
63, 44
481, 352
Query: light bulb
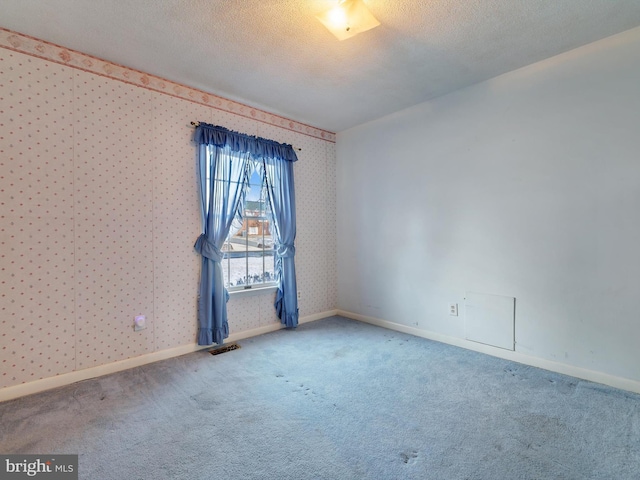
338, 18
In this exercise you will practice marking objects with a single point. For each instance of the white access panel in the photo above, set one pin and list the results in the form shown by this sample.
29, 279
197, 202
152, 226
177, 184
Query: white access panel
490, 319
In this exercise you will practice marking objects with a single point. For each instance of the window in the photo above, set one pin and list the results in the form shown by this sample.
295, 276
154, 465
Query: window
248, 251
232, 155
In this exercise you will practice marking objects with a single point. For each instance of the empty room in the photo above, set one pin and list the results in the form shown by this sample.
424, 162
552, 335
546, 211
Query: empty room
320, 239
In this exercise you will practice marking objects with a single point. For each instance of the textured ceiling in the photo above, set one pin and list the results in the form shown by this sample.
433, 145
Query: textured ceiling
275, 55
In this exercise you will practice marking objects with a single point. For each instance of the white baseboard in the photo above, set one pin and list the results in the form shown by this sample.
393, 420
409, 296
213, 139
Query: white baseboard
563, 368
274, 327
318, 316
16, 391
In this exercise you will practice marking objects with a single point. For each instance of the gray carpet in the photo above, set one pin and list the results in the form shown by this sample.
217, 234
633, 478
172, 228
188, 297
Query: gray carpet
334, 399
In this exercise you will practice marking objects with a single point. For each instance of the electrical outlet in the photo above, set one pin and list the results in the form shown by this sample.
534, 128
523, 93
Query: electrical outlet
299, 295
139, 323
453, 309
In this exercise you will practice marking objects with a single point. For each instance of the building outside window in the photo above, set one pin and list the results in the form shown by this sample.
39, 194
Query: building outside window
248, 251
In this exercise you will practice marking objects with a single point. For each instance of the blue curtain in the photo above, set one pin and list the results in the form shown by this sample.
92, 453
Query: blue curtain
281, 194
224, 185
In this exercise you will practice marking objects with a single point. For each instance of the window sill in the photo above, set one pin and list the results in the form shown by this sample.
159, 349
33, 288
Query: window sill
249, 292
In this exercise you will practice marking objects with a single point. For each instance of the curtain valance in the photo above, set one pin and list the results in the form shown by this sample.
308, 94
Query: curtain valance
239, 142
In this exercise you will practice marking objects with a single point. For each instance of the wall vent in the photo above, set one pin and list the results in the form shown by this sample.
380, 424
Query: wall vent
224, 349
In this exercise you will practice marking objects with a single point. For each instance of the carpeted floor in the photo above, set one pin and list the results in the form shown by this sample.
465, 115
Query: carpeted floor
333, 399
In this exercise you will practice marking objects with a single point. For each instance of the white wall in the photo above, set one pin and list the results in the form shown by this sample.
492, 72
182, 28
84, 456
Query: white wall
527, 185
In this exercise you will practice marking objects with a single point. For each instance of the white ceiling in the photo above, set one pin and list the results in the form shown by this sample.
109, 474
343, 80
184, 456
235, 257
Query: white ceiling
275, 55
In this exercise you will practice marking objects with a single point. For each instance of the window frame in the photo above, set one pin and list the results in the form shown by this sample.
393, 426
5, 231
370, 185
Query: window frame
253, 166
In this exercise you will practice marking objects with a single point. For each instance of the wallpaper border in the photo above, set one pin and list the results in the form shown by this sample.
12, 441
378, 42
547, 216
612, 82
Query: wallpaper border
35, 47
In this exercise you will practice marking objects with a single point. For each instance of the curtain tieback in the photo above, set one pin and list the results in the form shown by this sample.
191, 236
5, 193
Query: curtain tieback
285, 250
207, 249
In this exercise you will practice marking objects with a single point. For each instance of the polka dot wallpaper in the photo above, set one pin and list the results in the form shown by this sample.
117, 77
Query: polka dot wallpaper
100, 213
113, 219
37, 264
176, 220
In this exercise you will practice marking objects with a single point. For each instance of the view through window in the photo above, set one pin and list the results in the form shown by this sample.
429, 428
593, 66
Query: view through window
248, 251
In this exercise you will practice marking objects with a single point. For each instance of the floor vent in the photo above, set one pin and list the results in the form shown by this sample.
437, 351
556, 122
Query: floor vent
224, 349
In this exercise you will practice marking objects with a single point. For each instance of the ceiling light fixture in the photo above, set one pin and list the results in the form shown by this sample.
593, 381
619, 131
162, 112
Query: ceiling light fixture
348, 18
